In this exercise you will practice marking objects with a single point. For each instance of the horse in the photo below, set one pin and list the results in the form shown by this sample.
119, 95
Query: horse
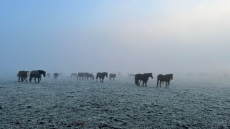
55, 75
101, 76
80, 75
89, 75
119, 74
85, 75
37, 74
59, 74
73, 74
131, 75
111, 75
164, 78
170, 78
142, 77
48, 75
23, 75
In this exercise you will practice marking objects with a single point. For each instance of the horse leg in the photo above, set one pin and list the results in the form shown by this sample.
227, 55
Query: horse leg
22, 79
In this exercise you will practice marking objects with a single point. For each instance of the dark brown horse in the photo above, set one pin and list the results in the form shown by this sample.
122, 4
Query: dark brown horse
164, 78
101, 76
37, 74
111, 75
48, 75
142, 77
23, 75
80, 75
73, 74
89, 75
56, 75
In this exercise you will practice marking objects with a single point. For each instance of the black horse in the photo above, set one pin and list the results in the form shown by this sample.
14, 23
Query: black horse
101, 76
89, 75
164, 78
111, 75
37, 74
142, 77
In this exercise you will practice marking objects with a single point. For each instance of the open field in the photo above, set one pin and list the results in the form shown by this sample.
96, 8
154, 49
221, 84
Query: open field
70, 103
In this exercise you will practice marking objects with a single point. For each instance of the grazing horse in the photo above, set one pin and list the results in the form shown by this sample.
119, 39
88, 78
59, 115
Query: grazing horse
101, 76
23, 75
89, 75
111, 75
37, 74
56, 75
81, 75
48, 75
73, 74
164, 78
142, 77
85, 75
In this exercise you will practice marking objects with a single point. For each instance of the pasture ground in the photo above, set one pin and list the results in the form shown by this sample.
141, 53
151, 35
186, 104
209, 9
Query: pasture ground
70, 103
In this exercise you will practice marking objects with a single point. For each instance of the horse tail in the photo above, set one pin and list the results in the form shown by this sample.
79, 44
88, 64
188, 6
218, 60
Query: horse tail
96, 76
136, 80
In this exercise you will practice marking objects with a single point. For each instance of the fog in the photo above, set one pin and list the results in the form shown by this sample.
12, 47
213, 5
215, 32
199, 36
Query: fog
115, 36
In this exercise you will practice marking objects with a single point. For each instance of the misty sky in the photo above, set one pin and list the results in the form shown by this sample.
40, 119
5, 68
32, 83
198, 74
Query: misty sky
158, 36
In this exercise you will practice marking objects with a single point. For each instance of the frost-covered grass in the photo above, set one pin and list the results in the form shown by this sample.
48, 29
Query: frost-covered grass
70, 103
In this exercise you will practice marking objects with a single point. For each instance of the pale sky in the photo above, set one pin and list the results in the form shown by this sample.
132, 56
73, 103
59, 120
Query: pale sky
128, 36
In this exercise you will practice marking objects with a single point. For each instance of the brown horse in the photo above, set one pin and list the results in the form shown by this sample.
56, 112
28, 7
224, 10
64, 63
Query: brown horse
23, 75
101, 76
142, 77
55, 75
73, 74
111, 75
80, 75
164, 78
37, 74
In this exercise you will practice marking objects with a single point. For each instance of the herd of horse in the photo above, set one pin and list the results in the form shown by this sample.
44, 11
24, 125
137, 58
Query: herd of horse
101, 75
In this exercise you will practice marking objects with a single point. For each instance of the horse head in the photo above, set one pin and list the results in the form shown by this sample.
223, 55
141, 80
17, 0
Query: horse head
106, 74
151, 75
42, 72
